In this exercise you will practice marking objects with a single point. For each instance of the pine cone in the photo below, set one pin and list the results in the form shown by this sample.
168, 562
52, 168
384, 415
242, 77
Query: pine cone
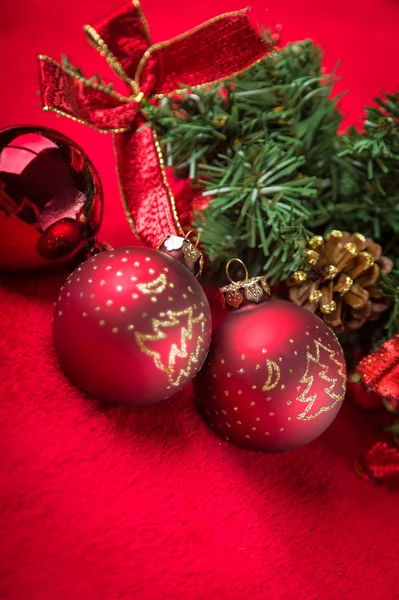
342, 283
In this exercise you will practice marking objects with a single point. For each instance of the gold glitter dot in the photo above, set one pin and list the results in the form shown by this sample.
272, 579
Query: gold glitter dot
60, 313
189, 289
271, 414
307, 333
228, 374
171, 285
170, 298
102, 282
239, 392
215, 375
92, 296
290, 371
216, 413
136, 264
282, 386
317, 327
247, 436
227, 438
84, 314
296, 353
153, 299
289, 403
59, 297
80, 268
68, 294
238, 422
124, 259
289, 419
123, 308
281, 428
258, 366
97, 308
308, 347
291, 341
254, 387
135, 296
228, 424
268, 398
78, 279
108, 268
243, 357
69, 281
95, 268
264, 350
115, 330
130, 327
252, 403
133, 279
144, 315
110, 302
101, 323
257, 419
127, 251
89, 281
111, 255
224, 412
166, 269
267, 433
202, 304
280, 358
226, 393
253, 428
119, 274
151, 271
235, 408
215, 397
241, 370
222, 361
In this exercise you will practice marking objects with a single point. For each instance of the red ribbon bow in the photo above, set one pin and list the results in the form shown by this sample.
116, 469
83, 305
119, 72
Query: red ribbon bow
216, 50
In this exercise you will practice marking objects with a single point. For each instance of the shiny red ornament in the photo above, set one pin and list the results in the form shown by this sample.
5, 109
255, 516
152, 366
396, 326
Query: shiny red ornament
50, 198
131, 326
214, 51
275, 375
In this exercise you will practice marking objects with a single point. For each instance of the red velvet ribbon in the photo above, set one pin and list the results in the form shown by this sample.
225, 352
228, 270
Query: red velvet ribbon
216, 50
380, 372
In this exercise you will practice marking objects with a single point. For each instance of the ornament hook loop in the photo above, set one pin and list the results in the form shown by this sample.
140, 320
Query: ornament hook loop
242, 264
194, 232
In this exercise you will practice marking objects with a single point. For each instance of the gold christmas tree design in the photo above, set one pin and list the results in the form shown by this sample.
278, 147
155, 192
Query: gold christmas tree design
335, 391
174, 319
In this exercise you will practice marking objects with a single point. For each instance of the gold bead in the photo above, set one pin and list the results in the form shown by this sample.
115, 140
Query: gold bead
351, 248
330, 272
347, 285
315, 296
315, 241
370, 260
360, 237
329, 308
335, 233
300, 276
313, 257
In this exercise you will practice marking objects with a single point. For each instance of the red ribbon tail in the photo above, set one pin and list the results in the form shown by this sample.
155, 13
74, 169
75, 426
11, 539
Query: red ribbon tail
147, 198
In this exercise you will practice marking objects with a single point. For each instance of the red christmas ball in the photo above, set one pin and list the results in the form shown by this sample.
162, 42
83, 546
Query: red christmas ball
131, 326
46, 181
60, 239
275, 375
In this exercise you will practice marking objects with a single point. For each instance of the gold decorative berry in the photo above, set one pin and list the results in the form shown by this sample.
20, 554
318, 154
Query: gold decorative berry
190, 252
253, 292
341, 285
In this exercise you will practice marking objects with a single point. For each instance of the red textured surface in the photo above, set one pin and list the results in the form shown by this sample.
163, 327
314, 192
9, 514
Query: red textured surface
100, 503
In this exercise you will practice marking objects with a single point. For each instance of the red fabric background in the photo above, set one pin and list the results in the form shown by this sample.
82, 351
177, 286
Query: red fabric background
100, 503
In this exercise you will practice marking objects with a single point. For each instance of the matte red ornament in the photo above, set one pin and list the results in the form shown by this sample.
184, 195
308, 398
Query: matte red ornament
275, 375
131, 326
50, 198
